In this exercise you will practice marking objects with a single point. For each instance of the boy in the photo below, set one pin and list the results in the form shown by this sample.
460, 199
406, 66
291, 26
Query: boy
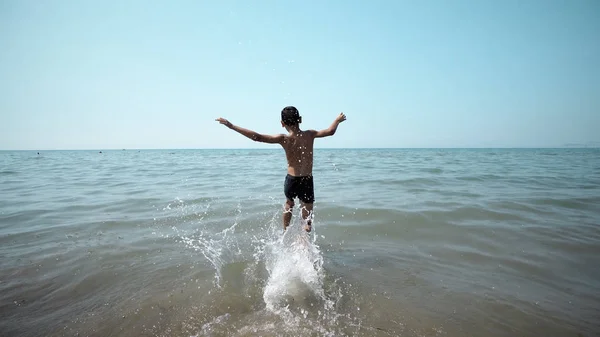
298, 146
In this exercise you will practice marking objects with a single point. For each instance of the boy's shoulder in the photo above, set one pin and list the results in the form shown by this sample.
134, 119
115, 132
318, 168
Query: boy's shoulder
303, 133
310, 132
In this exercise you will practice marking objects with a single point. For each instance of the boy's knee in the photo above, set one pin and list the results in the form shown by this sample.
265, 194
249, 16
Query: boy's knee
289, 204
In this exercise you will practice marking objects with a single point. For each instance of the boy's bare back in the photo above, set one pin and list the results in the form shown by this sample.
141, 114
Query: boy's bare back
299, 152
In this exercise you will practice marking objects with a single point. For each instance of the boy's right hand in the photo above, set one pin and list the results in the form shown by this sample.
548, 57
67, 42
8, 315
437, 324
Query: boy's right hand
340, 118
224, 122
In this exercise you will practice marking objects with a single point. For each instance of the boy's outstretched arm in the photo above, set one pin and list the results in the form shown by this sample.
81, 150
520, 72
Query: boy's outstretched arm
255, 136
330, 131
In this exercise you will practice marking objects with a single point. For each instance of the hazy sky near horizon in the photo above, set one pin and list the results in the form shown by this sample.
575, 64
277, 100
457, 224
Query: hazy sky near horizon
155, 74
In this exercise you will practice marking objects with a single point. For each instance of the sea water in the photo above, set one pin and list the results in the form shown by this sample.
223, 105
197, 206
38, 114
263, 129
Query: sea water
405, 242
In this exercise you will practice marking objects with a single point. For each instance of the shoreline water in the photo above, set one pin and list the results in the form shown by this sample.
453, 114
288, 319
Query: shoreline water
412, 242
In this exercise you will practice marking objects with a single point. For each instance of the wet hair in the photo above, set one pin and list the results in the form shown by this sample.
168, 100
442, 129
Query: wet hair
290, 116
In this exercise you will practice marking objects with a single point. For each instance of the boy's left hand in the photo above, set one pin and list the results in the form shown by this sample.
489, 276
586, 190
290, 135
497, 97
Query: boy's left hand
224, 122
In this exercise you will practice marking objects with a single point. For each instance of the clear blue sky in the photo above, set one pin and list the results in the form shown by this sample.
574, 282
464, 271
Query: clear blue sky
155, 74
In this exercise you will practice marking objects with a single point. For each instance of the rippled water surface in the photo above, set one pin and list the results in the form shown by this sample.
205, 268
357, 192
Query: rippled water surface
429, 242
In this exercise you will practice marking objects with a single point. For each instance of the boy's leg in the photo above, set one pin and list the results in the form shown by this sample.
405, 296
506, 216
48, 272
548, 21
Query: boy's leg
307, 209
287, 213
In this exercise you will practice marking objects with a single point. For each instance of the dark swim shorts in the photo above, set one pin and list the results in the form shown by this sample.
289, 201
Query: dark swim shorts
299, 187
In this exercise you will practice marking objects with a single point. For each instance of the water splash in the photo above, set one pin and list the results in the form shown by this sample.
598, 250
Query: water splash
295, 288
295, 267
216, 246
284, 270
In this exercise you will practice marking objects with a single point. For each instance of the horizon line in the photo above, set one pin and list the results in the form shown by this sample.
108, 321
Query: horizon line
316, 148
